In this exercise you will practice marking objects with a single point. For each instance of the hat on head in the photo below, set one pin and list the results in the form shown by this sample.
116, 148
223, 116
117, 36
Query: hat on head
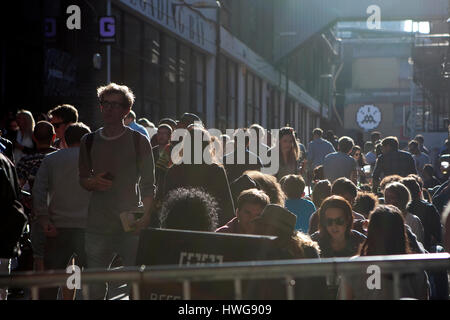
279, 217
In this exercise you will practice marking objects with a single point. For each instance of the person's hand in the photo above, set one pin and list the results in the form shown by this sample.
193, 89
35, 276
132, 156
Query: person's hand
140, 225
99, 183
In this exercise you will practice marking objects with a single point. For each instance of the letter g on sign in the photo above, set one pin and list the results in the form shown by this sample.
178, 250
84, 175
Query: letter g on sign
107, 27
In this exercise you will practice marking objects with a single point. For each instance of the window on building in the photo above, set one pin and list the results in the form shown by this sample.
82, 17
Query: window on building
184, 77
152, 74
249, 99
169, 79
313, 123
287, 112
132, 35
257, 108
294, 117
116, 65
290, 118
270, 105
151, 45
232, 94
304, 122
199, 84
131, 59
116, 49
221, 111
276, 109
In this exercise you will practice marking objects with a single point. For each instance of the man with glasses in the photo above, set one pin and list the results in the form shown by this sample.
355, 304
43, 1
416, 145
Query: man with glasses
116, 164
61, 117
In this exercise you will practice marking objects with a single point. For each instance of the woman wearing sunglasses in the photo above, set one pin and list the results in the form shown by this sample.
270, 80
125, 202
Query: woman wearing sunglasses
335, 236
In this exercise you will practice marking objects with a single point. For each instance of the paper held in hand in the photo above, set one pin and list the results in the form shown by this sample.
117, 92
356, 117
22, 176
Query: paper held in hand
129, 218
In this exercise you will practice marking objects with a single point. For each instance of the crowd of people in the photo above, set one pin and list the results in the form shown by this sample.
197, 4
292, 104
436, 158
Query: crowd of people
88, 195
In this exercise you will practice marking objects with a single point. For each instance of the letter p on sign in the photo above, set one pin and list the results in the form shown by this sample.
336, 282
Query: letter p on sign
74, 281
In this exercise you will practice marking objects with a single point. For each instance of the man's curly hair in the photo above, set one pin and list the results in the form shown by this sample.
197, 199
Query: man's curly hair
189, 209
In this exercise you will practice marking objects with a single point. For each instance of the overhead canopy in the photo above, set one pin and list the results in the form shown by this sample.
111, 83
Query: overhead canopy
296, 21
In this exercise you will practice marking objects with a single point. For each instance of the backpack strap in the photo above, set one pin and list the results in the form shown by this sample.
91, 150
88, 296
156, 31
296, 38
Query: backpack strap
89, 143
136, 138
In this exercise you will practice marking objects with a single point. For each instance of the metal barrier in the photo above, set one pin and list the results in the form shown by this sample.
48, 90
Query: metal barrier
237, 272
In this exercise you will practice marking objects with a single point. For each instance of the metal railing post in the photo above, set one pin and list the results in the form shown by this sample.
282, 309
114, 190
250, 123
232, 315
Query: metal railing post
136, 291
186, 290
85, 291
342, 292
290, 287
396, 285
238, 289
35, 293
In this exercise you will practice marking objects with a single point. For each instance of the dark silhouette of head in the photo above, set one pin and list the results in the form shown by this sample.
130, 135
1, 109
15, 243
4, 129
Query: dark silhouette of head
189, 209
386, 234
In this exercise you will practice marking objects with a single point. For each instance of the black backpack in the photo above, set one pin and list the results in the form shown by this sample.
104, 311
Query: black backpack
13, 219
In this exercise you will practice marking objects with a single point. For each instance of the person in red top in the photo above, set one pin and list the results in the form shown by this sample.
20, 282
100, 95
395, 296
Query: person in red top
250, 204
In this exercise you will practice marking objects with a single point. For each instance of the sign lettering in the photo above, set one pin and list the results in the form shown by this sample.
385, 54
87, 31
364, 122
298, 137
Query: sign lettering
179, 19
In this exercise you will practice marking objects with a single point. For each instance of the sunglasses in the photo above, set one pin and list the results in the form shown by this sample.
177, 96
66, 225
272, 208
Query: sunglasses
337, 221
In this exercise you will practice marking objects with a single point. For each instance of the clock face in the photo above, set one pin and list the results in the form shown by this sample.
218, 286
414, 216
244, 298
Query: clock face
368, 117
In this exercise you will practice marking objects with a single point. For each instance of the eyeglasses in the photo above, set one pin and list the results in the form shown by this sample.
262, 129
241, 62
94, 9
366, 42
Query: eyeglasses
58, 124
109, 104
337, 221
